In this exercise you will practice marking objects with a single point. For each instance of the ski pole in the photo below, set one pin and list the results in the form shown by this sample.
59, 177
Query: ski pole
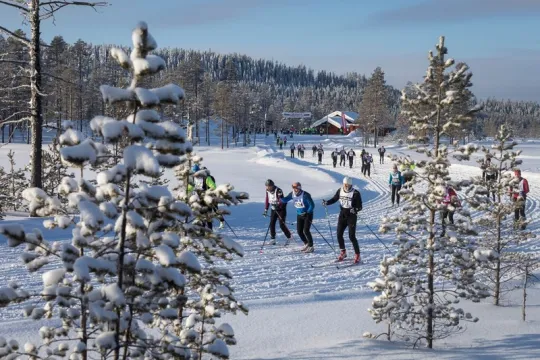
265, 236
230, 228
378, 238
286, 227
329, 227
317, 230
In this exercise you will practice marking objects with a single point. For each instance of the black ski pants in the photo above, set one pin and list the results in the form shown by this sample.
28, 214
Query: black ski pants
320, 158
519, 210
351, 161
347, 220
395, 193
334, 161
446, 214
292, 153
342, 161
303, 226
490, 180
367, 169
280, 215
381, 160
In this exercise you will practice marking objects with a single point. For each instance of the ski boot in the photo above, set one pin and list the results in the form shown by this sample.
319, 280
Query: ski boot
356, 259
342, 255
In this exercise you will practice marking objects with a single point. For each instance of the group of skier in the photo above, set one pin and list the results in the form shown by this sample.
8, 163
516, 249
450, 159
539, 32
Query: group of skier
299, 148
350, 202
350, 199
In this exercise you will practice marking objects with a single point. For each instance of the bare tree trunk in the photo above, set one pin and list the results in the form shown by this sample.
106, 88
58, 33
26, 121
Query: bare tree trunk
36, 115
524, 306
497, 292
222, 133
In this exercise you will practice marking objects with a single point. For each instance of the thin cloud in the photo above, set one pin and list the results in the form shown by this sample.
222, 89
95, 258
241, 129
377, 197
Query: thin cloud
437, 11
210, 12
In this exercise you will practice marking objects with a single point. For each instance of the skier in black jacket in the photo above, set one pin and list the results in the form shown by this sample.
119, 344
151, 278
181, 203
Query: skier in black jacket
351, 154
278, 211
334, 156
350, 202
342, 155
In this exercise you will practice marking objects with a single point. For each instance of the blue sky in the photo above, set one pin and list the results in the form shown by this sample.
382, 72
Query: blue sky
499, 39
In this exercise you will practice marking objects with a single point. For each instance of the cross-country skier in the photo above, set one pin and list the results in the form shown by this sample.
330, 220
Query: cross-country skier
518, 193
368, 159
204, 181
381, 150
320, 153
278, 211
299, 151
285, 140
350, 203
350, 155
314, 148
363, 158
293, 147
490, 176
450, 202
304, 214
280, 144
395, 182
342, 155
334, 156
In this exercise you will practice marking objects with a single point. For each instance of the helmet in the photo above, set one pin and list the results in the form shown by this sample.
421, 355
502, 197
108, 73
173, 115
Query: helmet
269, 182
195, 168
347, 180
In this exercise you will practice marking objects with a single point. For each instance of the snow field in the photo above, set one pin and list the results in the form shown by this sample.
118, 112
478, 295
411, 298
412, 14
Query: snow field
301, 312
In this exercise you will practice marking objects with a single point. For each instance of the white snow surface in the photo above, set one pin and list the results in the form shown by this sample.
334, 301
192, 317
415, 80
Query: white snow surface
296, 311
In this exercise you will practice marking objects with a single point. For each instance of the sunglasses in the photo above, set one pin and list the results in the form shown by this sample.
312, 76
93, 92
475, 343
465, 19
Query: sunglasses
296, 186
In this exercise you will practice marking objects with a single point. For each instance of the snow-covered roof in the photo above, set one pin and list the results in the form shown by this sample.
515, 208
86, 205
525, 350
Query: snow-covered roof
350, 116
334, 118
335, 121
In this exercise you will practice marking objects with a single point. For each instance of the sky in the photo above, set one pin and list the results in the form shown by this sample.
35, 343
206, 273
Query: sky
499, 39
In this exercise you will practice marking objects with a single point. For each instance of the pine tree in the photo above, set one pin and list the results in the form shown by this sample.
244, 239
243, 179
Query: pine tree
431, 270
134, 262
54, 170
12, 183
374, 109
500, 233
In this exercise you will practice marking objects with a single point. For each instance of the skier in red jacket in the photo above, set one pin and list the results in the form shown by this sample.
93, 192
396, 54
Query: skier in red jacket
518, 193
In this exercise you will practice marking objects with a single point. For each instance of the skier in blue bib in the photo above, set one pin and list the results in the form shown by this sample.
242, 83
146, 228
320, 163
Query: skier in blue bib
304, 214
395, 182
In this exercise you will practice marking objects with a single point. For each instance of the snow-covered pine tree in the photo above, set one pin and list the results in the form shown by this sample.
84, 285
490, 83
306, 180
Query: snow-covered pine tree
430, 273
133, 262
489, 196
54, 170
12, 183
216, 294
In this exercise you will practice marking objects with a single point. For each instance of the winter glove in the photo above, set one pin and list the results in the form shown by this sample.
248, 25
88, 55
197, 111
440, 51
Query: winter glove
353, 212
324, 203
265, 213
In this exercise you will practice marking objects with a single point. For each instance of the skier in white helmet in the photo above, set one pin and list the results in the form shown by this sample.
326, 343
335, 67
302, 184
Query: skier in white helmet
350, 202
